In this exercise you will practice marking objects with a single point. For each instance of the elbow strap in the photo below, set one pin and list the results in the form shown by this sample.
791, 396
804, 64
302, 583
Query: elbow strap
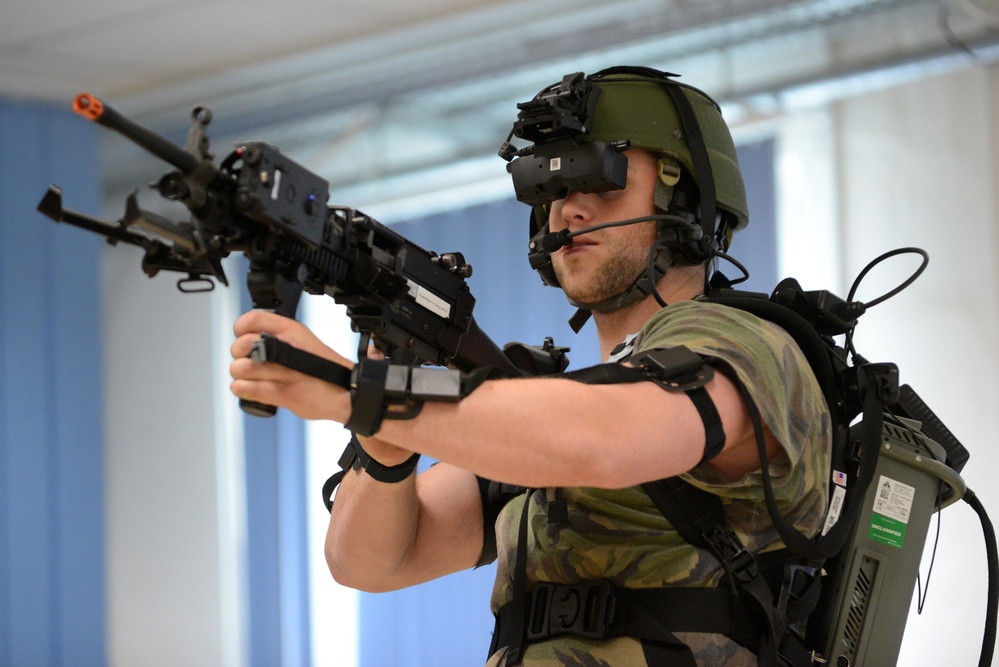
355, 457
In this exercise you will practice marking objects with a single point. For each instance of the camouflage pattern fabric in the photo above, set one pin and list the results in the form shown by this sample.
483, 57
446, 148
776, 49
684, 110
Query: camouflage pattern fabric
619, 534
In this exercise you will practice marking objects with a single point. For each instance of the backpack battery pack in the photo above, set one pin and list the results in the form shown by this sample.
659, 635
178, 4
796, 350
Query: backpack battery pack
868, 590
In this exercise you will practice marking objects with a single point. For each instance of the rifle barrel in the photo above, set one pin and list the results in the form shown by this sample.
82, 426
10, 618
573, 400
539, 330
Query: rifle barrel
92, 108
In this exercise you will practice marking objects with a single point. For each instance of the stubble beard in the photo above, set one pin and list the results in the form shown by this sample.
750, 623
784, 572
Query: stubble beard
607, 280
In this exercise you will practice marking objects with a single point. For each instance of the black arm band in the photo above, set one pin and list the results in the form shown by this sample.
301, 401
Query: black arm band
714, 433
680, 369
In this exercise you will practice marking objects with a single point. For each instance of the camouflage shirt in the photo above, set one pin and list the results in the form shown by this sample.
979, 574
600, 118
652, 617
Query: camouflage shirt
619, 534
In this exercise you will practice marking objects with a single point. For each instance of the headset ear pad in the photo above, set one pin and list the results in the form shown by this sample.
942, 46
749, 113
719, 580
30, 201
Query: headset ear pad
687, 243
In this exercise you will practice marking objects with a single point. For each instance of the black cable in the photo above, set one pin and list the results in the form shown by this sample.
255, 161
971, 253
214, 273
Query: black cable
921, 594
877, 260
737, 264
650, 274
630, 221
860, 308
992, 600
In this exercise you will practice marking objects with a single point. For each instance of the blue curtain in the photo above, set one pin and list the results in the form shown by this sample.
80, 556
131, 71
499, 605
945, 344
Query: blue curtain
277, 558
276, 541
52, 605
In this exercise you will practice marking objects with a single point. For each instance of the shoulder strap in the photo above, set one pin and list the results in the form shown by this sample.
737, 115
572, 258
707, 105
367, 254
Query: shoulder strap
818, 351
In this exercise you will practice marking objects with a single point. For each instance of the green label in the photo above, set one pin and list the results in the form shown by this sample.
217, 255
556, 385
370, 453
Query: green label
886, 530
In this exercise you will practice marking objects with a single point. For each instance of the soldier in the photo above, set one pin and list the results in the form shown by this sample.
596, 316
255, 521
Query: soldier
549, 475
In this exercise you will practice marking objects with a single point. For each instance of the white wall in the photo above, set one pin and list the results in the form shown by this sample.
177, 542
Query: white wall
916, 165
175, 557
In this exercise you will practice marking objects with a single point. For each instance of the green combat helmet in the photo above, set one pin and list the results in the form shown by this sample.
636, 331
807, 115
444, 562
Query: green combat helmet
581, 127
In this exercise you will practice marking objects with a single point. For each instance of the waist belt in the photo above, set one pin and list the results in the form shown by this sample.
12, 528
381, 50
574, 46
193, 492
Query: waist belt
601, 610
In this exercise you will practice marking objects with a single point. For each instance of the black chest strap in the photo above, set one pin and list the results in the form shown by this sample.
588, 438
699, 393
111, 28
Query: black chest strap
600, 610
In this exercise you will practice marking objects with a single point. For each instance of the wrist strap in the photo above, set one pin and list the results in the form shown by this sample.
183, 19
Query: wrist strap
367, 396
378, 388
383, 390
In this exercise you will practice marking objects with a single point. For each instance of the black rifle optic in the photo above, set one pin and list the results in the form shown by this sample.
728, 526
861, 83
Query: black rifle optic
415, 305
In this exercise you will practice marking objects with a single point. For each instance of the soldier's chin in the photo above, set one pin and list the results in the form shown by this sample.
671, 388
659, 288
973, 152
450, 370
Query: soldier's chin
577, 296
596, 301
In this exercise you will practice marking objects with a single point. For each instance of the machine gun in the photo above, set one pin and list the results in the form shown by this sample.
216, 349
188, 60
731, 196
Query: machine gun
413, 304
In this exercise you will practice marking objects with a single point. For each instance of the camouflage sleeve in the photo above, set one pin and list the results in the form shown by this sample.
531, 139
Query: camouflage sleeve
780, 383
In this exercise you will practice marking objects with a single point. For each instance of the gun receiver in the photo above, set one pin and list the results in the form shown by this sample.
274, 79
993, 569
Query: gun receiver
414, 304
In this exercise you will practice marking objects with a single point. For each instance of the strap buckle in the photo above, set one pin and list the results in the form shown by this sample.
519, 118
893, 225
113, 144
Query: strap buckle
739, 562
584, 610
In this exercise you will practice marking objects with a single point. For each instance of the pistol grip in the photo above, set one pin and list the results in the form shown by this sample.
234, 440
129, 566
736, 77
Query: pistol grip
257, 409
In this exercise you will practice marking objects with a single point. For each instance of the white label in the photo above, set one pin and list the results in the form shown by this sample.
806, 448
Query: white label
835, 508
893, 499
555, 164
429, 300
277, 185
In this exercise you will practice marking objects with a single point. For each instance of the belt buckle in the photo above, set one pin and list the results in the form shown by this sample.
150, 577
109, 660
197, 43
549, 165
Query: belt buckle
584, 610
